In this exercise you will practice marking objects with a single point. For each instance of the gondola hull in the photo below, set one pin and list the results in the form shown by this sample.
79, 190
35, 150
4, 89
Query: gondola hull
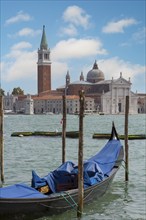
35, 208
56, 203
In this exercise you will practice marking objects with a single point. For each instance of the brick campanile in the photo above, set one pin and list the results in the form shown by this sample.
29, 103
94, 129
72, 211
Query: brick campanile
44, 65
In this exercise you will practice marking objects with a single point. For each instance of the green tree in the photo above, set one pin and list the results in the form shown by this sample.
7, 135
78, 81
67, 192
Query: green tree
17, 91
2, 92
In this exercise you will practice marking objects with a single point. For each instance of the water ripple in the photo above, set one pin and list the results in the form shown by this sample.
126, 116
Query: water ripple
124, 201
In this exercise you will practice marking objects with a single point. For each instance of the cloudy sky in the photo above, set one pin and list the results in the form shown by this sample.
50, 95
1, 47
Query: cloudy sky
78, 33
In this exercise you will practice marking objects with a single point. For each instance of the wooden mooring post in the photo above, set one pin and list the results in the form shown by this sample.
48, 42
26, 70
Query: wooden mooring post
64, 129
126, 140
1, 141
80, 158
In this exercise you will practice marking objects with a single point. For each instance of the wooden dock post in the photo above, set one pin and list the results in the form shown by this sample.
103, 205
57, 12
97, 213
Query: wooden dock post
80, 158
126, 140
64, 129
1, 140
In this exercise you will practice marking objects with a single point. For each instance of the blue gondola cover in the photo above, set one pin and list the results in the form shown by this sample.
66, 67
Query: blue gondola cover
95, 169
20, 191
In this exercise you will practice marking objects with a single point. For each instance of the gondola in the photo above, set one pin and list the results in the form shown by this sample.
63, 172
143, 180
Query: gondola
58, 191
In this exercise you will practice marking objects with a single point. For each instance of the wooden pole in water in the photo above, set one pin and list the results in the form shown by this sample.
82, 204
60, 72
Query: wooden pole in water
1, 140
64, 129
80, 157
126, 139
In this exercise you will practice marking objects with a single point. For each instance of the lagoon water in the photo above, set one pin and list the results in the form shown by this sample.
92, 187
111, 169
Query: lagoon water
123, 201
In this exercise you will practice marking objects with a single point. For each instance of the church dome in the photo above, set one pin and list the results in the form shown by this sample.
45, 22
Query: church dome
95, 75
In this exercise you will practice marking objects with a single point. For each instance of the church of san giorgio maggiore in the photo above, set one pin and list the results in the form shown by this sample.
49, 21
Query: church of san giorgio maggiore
101, 96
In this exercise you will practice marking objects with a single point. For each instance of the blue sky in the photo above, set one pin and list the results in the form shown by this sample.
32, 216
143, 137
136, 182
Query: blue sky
78, 33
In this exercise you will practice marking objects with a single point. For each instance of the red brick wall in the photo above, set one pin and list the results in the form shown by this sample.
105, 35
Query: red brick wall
73, 89
44, 78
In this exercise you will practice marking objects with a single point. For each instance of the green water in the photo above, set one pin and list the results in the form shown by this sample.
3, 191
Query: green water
22, 154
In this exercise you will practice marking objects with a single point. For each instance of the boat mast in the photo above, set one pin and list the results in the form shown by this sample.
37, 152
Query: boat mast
1, 140
126, 139
64, 126
80, 157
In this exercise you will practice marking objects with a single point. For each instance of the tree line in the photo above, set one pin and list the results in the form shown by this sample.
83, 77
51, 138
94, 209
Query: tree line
16, 91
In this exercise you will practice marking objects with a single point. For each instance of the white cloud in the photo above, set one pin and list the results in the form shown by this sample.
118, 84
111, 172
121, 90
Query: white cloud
19, 63
59, 70
77, 48
136, 38
21, 45
70, 30
21, 16
112, 68
125, 44
140, 35
25, 32
16, 50
118, 26
77, 16
23, 67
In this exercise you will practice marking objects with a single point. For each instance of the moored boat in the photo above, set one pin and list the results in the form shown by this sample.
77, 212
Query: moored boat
58, 191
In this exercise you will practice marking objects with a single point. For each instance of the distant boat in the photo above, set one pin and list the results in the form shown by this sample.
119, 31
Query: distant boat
48, 113
8, 112
88, 112
58, 191
101, 113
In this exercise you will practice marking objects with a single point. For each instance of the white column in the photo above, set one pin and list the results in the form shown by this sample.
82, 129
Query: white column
111, 99
124, 100
117, 110
129, 93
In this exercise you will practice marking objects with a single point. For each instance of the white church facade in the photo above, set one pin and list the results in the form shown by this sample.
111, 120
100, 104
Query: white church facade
113, 101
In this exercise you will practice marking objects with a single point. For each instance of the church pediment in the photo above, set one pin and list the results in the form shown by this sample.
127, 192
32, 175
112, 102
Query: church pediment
121, 81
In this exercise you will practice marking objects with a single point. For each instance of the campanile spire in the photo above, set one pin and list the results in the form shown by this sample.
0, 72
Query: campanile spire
44, 44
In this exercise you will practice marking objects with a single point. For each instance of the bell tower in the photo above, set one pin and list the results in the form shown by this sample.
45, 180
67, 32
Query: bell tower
44, 65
